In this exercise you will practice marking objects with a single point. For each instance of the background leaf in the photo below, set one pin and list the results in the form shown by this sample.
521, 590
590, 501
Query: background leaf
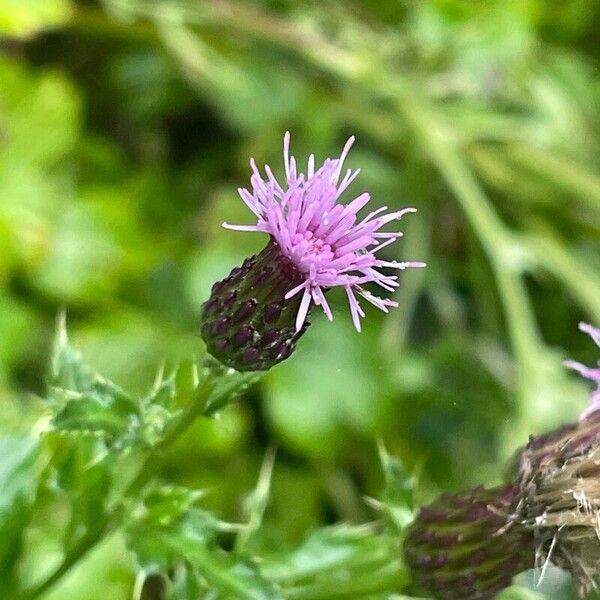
18, 482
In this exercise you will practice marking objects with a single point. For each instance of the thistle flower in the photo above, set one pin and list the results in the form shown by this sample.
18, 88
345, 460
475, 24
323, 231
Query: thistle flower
315, 243
468, 546
587, 372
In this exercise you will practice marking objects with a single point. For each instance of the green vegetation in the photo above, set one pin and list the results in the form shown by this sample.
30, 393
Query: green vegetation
125, 128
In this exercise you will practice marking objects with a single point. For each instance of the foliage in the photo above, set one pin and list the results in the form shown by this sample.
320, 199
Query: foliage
125, 128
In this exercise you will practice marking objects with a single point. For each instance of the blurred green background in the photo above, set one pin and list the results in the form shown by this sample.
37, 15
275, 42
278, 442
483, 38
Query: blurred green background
126, 127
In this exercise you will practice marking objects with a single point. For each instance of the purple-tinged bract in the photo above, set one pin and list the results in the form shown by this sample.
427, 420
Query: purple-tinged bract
468, 546
324, 238
589, 372
246, 323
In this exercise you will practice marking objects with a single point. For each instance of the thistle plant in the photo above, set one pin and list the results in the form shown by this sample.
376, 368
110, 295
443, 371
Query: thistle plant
255, 316
101, 450
120, 126
469, 546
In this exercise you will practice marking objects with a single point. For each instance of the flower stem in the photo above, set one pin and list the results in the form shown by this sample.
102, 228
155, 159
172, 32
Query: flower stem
75, 555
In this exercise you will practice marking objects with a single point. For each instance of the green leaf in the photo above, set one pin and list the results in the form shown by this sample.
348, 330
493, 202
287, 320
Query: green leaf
85, 402
398, 498
163, 511
80, 474
68, 371
102, 410
330, 550
158, 407
17, 489
165, 504
167, 534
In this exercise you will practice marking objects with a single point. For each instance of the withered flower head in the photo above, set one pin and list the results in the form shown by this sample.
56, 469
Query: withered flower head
560, 498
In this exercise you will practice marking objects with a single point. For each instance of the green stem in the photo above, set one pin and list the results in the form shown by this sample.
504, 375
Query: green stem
582, 281
75, 555
215, 573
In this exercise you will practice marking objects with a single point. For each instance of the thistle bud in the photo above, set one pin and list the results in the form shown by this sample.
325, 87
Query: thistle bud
467, 546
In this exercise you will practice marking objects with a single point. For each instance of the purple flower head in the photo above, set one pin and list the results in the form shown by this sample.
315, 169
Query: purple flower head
323, 237
589, 372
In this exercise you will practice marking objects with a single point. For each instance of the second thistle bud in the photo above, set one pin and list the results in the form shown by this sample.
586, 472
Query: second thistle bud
247, 323
466, 546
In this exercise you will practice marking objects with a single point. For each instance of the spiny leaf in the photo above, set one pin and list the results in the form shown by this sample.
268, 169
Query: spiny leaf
80, 475
68, 371
398, 498
102, 410
158, 407
331, 549
84, 401
164, 504
167, 510
168, 535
